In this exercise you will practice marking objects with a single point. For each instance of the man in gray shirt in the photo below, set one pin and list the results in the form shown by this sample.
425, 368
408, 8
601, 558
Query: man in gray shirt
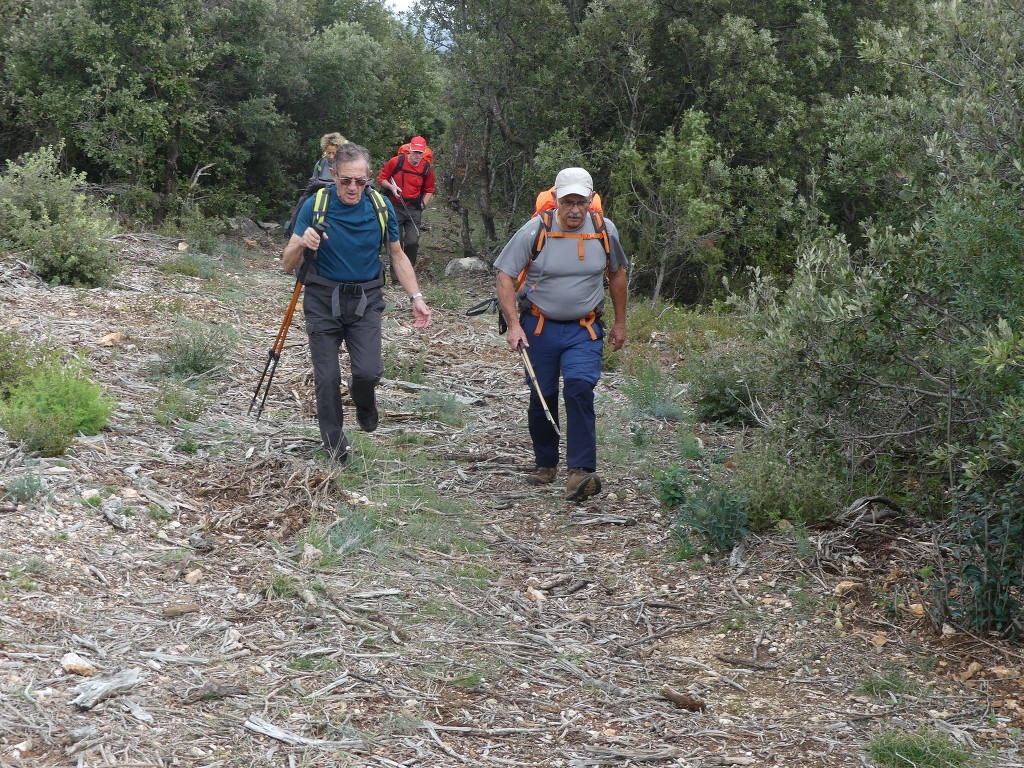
557, 312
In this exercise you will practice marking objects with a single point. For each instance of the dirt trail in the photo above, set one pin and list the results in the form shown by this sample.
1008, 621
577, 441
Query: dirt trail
422, 606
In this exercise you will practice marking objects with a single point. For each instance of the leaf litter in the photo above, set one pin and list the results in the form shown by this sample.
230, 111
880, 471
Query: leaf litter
465, 619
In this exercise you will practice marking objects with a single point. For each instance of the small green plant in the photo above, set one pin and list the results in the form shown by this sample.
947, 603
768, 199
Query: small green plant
49, 406
17, 357
444, 407
309, 663
157, 514
725, 386
690, 447
174, 402
188, 264
43, 214
27, 487
200, 232
891, 681
715, 515
187, 445
93, 499
282, 585
195, 350
406, 368
650, 392
982, 581
638, 435
673, 485
921, 748
446, 296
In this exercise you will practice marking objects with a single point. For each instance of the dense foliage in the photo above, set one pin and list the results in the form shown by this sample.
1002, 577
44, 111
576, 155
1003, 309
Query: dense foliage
220, 104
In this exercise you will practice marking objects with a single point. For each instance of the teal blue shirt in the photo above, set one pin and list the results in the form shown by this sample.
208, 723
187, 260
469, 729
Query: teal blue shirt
351, 252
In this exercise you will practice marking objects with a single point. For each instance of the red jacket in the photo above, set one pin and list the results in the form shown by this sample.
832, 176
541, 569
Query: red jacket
410, 178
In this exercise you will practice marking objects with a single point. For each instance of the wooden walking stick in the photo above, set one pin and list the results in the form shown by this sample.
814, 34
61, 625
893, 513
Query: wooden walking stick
536, 387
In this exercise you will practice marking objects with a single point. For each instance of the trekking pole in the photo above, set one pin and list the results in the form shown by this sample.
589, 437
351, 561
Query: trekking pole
536, 387
274, 353
407, 211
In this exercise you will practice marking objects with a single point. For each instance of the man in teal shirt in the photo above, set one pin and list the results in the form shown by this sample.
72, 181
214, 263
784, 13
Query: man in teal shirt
343, 299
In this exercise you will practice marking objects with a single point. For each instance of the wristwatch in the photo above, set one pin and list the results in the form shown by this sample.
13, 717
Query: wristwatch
417, 295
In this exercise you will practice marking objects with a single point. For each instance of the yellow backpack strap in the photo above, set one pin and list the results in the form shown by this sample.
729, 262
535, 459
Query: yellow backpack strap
381, 209
320, 202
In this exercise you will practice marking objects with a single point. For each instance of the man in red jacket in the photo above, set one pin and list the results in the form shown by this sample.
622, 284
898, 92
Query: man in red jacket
408, 181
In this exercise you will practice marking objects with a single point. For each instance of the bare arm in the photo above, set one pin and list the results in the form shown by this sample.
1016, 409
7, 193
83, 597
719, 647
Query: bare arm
407, 278
618, 290
510, 310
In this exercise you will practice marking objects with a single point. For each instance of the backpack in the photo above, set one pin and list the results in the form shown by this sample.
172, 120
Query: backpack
428, 155
547, 217
322, 198
546, 202
426, 166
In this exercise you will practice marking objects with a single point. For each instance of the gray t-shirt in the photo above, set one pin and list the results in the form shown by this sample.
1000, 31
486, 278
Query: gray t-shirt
561, 284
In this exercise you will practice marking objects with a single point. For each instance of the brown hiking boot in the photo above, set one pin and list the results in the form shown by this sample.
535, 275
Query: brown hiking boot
582, 484
542, 475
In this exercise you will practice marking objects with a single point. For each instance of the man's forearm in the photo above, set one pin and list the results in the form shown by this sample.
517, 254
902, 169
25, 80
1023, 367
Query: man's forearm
507, 299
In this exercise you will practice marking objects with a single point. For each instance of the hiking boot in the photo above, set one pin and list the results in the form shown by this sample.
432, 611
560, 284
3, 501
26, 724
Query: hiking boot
582, 484
340, 454
542, 475
368, 418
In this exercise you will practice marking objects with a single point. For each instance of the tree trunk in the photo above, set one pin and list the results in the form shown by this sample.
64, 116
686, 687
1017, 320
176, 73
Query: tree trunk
487, 183
170, 177
467, 239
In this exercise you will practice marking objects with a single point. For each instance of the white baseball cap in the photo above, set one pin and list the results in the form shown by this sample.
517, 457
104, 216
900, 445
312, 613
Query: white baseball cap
573, 181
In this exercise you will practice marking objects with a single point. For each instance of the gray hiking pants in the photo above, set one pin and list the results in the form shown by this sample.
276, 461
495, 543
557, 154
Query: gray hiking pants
362, 339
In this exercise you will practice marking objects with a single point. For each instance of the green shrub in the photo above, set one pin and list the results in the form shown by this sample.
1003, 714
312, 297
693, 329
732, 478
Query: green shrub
174, 402
673, 485
404, 367
443, 407
49, 406
195, 350
201, 233
64, 236
725, 385
922, 748
16, 360
26, 487
715, 514
650, 391
781, 483
188, 264
984, 575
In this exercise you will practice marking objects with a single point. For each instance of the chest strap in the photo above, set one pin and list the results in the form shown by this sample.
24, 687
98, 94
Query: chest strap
587, 321
352, 289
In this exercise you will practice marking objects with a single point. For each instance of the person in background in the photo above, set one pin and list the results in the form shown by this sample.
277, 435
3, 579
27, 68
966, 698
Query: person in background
343, 300
559, 318
408, 180
320, 177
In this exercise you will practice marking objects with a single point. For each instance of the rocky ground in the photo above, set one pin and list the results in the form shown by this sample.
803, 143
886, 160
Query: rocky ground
213, 593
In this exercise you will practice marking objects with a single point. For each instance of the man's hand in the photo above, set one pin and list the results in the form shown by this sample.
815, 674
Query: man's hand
516, 337
420, 312
617, 336
311, 238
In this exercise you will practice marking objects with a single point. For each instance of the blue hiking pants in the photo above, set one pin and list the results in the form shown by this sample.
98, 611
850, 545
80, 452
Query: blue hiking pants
566, 351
